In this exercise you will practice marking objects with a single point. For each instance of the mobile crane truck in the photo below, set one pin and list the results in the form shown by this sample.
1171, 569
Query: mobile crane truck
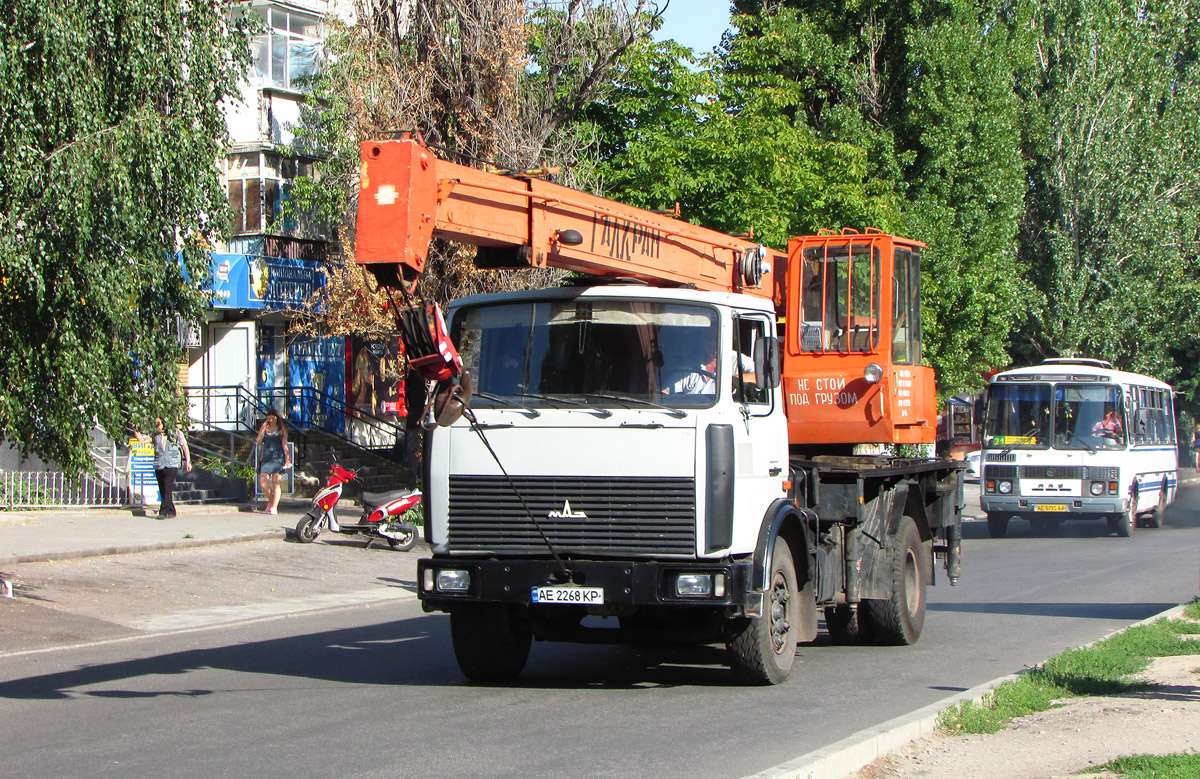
679, 444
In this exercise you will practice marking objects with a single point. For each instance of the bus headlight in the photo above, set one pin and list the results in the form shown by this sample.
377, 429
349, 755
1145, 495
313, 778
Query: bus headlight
1004, 487
1097, 488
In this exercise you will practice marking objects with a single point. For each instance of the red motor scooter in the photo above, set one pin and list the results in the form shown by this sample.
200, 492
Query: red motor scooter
388, 515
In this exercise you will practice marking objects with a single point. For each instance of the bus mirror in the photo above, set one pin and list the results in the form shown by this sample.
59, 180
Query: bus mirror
766, 363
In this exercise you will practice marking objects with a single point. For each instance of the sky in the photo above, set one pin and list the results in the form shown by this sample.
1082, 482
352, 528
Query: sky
697, 24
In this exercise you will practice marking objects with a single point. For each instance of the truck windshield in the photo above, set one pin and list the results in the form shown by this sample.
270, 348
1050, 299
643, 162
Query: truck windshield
581, 349
1018, 415
1088, 417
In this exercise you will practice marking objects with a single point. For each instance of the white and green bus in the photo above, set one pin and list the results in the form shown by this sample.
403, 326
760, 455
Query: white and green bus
1072, 438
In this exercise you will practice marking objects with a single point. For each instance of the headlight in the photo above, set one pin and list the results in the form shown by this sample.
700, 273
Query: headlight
1005, 487
693, 585
453, 581
873, 373
1097, 488
700, 585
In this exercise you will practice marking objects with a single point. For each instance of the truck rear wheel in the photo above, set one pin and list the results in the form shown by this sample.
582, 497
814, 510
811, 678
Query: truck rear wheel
899, 619
762, 651
490, 643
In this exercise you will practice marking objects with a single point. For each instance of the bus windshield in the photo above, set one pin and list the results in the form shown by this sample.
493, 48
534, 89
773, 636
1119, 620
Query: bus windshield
1018, 415
1088, 416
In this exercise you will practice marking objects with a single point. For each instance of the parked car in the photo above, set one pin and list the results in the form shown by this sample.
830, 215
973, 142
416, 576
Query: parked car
973, 470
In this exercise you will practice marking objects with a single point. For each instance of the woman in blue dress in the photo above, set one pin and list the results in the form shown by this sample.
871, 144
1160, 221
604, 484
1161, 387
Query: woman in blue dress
273, 458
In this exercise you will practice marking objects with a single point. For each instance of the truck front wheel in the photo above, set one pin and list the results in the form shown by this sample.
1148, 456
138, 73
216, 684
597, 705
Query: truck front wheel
761, 651
899, 619
490, 643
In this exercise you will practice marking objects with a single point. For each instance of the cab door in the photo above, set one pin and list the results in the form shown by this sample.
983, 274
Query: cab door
760, 430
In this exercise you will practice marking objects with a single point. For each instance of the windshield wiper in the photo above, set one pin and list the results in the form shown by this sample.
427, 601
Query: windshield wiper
602, 412
677, 413
1032, 430
533, 412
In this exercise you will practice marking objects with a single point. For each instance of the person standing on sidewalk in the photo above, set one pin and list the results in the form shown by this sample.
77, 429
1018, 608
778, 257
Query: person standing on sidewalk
170, 452
273, 458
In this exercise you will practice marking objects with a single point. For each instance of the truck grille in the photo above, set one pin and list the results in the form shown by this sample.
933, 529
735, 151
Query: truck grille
605, 516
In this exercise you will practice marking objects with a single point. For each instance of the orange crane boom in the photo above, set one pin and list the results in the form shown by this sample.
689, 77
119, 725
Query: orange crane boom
409, 197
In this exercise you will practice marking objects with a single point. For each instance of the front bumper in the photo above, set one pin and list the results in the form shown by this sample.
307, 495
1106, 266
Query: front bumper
1074, 507
626, 584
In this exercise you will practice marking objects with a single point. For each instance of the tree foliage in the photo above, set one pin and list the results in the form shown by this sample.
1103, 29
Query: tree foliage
1110, 231
111, 128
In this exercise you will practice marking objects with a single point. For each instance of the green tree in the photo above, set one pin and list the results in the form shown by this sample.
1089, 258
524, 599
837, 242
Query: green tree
1112, 95
730, 144
111, 128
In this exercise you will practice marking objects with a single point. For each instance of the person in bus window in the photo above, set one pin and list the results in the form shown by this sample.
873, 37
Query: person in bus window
1110, 426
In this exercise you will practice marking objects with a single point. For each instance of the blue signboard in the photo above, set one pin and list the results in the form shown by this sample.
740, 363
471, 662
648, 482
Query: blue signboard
252, 281
317, 376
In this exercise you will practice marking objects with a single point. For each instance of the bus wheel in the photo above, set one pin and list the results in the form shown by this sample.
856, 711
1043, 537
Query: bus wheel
1123, 524
997, 525
1159, 517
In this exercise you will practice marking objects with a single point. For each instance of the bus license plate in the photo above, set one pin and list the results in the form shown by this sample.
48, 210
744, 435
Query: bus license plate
1050, 507
582, 596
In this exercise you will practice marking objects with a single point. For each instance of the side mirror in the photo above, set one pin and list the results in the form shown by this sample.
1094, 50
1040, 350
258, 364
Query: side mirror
766, 363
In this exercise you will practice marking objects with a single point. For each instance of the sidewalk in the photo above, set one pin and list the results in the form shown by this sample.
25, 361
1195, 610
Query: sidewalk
67, 534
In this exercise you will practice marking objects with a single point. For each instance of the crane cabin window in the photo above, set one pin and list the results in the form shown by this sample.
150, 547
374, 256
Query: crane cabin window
840, 300
906, 307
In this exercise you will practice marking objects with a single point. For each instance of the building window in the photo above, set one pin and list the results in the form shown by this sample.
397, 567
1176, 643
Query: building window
257, 183
289, 53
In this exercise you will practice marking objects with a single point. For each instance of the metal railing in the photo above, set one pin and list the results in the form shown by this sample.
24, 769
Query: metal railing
54, 489
234, 408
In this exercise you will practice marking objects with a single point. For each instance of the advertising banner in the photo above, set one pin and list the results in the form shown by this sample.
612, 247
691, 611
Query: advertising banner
142, 484
375, 390
251, 281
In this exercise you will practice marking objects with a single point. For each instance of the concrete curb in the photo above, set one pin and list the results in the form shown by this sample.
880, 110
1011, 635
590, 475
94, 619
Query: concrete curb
132, 548
841, 759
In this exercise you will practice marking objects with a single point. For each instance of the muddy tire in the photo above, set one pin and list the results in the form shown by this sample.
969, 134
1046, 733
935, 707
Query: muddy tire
490, 643
898, 620
762, 651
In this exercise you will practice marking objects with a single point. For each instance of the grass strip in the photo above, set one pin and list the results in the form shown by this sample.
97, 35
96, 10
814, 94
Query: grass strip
1107, 667
1179, 766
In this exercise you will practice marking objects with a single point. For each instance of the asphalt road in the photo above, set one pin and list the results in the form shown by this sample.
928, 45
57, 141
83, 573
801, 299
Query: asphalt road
373, 690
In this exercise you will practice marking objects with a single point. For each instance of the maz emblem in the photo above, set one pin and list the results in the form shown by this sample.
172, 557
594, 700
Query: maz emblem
566, 513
